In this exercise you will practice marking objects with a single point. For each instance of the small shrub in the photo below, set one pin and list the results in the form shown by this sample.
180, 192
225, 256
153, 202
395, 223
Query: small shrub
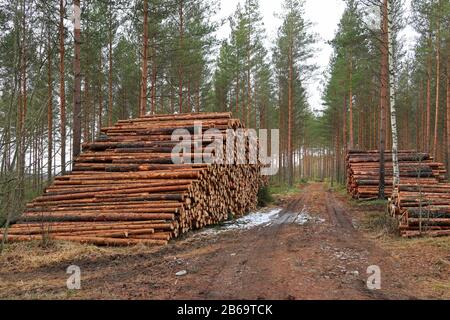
303, 181
264, 196
383, 223
46, 241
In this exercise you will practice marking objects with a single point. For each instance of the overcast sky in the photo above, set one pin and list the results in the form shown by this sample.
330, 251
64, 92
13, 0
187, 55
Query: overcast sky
324, 14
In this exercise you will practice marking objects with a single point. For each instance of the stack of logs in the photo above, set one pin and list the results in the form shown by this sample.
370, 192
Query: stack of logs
415, 168
421, 209
124, 188
421, 203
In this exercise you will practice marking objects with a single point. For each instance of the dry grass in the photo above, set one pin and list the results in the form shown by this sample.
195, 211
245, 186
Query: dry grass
442, 288
25, 256
426, 260
20, 264
380, 224
405, 244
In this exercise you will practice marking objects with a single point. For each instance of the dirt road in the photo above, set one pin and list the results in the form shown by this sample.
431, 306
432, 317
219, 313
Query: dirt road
312, 249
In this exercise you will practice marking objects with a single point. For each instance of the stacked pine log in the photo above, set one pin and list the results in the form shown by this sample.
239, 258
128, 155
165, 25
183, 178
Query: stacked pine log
421, 203
124, 188
415, 168
421, 209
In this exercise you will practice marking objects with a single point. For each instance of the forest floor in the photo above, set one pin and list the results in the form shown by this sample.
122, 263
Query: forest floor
317, 247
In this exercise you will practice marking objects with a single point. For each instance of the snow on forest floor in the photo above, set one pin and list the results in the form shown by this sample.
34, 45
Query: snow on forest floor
262, 218
304, 217
252, 220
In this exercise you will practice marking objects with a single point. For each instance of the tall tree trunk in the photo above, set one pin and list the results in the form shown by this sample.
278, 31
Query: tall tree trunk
438, 75
282, 127
100, 96
391, 77
424, 124
180, 62
124, 103
41, 156
189, 97
76, 149
237, 94
406, 119
197, 97
255, 112
384, 95
428, 117
172, 103
143, 99
86, 110
361, 125
62, 90
249, 84
49, 110
448, 106
350, 97
290, 115
388, 121
110, 58
336, 152
22, 107
418, 117
339, 137
344, 126
154, 74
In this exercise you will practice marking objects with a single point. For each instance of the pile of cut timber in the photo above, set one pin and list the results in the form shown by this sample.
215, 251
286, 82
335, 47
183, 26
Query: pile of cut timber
415, 168
422, 209
124, 188
421, 203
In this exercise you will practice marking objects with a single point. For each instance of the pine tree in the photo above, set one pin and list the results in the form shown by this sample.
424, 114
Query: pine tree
76, 141
293, 50
62, 92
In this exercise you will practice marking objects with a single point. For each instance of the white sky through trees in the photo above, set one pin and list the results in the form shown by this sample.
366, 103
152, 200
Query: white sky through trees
325, 16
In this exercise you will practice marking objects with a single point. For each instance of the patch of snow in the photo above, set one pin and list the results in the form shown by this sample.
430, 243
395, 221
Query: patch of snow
252, 220
304, 217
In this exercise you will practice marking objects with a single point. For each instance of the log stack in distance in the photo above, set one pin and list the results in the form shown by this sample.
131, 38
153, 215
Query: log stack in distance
421, 203
421, 209
415, 168
124, 188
